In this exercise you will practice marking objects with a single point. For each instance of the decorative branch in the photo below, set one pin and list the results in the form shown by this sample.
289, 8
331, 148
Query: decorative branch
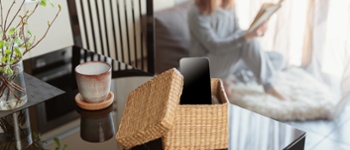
14, 43
47, 30
36, 6
22, 17
2, 16
8, 13
12, 87
14, 17
2, 25
22, 30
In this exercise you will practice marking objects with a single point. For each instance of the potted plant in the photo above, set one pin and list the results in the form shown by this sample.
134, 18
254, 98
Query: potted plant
15, 42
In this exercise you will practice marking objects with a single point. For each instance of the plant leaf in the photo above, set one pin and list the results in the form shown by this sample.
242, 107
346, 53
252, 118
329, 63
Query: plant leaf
3, 59
4, 70
7, 52
43, 2
9, 71
28, 45
8, 56
58, 143
30, 33
18, 52
6, 44
17, 40
11, 31
1, 44
51, 3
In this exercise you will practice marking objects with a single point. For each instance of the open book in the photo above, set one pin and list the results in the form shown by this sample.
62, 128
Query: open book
265, 12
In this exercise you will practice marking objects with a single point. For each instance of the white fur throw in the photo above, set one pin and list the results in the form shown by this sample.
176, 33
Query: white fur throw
307, 98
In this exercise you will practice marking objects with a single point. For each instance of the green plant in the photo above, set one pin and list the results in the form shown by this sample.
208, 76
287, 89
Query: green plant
37, 143
58, 144
15, 40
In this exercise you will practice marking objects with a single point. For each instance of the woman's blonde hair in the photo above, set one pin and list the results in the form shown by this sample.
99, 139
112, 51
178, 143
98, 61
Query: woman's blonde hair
209, 6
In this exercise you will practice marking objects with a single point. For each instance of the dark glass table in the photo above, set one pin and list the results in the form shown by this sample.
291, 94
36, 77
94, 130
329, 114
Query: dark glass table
60, 118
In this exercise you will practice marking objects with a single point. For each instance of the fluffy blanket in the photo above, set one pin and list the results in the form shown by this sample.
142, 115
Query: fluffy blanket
307, 97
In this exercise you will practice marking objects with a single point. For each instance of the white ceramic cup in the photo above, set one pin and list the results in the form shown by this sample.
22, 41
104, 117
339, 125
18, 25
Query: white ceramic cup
93, 80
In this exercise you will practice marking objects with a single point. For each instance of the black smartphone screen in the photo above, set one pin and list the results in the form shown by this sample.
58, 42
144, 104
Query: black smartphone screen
196, 89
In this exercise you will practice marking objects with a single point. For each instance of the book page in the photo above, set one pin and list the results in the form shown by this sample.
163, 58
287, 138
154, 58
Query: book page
261, 11
266, 11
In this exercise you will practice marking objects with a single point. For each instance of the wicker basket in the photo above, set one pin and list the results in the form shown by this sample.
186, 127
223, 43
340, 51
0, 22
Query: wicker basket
200, 126
152, 111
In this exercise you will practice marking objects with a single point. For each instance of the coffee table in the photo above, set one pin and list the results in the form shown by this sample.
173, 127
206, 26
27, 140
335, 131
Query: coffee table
61, 118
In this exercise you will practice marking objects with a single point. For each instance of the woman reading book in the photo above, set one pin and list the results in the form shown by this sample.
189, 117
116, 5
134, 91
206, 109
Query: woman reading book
215, 34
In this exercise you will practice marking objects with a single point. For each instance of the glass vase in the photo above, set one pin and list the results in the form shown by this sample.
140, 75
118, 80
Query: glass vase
12, 88
15, 131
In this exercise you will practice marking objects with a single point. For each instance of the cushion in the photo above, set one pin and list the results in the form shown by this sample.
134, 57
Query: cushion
307, 98
172, 37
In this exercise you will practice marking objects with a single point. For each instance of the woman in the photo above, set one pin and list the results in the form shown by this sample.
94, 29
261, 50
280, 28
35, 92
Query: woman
215, 34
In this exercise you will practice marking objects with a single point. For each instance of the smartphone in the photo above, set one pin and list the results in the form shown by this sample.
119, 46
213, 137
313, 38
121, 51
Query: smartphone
196, 73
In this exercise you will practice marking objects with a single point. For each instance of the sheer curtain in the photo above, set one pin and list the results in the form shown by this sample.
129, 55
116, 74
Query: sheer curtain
312, 34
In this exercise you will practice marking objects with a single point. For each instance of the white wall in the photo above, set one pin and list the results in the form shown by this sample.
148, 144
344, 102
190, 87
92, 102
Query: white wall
163, 4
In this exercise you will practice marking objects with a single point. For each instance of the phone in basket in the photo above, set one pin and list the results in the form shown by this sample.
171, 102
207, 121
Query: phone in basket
196, 89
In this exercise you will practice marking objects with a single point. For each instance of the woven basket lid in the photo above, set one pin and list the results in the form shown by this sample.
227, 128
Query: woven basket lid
150, 109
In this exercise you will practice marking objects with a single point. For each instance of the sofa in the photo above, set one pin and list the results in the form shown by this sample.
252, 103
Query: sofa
172, 40
172, 36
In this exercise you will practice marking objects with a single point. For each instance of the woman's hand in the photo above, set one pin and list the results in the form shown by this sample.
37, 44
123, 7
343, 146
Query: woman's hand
260, 31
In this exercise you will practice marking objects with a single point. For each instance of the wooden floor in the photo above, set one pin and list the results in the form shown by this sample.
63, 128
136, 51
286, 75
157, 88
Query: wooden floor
327, 134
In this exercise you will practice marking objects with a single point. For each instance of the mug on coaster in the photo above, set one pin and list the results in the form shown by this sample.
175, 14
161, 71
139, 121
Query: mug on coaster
93, 80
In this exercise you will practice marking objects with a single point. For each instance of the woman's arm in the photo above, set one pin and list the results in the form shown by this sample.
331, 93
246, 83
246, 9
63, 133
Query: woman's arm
202, 30
260, 31
236, 26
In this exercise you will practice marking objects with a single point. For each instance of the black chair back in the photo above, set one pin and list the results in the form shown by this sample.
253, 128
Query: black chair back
120, 29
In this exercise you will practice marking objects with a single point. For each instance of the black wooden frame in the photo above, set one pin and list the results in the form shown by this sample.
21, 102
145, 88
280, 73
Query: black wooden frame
147, 19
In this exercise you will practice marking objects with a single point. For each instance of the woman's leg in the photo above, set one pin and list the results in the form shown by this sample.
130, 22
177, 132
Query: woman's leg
243, 74
261, 66
277, 60
220, 65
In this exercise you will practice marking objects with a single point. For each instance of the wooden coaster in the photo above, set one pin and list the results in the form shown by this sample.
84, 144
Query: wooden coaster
94, 106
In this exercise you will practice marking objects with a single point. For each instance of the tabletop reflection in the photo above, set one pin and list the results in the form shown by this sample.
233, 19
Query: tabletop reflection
96, 126
15, 131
